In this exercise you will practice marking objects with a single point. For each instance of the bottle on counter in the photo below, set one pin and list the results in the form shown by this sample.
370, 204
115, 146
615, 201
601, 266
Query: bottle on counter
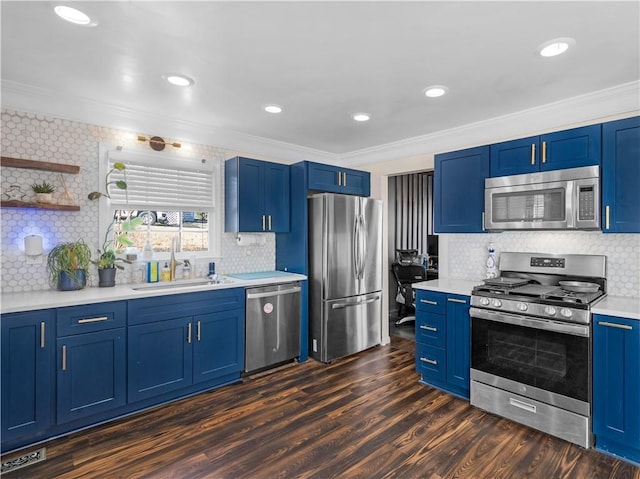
492, 266
152, 272
165, 272
186, 269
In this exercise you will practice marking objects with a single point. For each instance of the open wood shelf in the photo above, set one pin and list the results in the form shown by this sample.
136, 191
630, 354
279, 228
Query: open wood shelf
38, 165
39, 206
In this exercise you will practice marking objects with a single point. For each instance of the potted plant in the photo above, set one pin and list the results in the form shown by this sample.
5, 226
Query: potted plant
108, 261
68, 264
43, 192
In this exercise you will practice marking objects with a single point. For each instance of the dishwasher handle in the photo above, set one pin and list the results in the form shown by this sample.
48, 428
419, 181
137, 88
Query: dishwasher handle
295, 289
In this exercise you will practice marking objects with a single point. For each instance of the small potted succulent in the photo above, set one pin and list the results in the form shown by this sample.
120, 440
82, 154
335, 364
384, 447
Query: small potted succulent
43, 192
68, 264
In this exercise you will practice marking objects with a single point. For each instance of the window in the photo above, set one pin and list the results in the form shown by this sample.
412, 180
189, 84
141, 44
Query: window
174, 196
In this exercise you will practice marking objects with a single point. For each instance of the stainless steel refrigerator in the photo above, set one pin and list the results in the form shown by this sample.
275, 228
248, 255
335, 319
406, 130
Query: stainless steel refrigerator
345, 275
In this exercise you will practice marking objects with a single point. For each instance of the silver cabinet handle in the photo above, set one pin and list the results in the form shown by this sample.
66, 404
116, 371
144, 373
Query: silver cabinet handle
453, 300
429, 328
544, 151
189, 333
523, 405
606, 216
614, 325
264, 220
483, 227
64, 358
93, 320
430, 361
42, 326
344, 179
198, 331
269, 222
426, 301
533, 153
339, 179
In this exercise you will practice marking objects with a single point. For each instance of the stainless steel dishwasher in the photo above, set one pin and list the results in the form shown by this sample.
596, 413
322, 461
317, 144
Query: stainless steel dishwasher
272, 333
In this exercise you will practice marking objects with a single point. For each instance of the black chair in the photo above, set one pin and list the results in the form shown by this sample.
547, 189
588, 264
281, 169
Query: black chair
405, 275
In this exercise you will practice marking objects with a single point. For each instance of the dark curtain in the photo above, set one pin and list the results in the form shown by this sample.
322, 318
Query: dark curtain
413, 212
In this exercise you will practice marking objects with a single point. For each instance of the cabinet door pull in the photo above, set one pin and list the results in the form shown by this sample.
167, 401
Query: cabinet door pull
544, 151
344, 179
339, 179
533, 153
42, 326
64, 358
523, 405
189, 333
264, 219
93, 320
269, 222
614, 325
483, 228
606, 216
453, 300
430, 361
426, 301
198, 331
429, 328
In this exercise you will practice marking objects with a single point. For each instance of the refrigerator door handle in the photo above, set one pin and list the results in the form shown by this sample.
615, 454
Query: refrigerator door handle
355, 303
363, 244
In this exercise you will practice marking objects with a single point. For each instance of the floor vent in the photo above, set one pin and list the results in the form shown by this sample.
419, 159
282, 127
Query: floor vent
24, 460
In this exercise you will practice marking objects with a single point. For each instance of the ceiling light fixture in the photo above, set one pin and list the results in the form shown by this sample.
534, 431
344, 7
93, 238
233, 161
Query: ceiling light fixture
554, 47
157, 143
178, 79
435, 91
73, 15
361, 116
273, 108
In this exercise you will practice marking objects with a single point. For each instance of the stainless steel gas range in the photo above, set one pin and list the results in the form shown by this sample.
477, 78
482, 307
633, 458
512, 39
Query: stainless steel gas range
531, 341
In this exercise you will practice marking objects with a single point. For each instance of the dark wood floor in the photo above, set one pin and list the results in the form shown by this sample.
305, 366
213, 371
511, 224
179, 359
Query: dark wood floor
364, 416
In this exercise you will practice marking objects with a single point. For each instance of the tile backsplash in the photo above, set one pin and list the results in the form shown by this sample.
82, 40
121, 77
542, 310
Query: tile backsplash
37, 137
467, 253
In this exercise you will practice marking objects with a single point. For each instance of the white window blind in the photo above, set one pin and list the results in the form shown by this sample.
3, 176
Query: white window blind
169, 183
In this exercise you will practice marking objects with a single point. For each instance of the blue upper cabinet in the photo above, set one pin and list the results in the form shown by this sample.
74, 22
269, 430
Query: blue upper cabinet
621, 176
554, 151
338, 180
256, 196
458, 203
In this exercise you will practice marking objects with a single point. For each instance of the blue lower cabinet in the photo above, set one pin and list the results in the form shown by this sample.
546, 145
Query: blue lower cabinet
160, 358
28, 348
91, 375
443, 341
616, 386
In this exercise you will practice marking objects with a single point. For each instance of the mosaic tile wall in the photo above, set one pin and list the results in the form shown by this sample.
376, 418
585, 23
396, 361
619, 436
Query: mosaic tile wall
468, 253
37, 137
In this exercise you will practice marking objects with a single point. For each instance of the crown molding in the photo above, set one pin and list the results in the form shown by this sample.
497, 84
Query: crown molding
602, 105
31, 99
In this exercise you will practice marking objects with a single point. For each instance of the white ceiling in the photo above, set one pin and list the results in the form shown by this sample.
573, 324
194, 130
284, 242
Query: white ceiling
322, 61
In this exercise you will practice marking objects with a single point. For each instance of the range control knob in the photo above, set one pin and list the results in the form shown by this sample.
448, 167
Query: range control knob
566, 312
550, 310
522, 306
484, 301
497, 303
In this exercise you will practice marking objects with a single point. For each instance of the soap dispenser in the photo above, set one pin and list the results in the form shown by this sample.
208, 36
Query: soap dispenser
165, 273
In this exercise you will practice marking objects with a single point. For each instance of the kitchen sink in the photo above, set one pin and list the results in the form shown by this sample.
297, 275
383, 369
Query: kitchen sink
182, 284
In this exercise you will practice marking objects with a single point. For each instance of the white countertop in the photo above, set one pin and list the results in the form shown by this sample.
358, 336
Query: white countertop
33, 300
448, 285
618, 306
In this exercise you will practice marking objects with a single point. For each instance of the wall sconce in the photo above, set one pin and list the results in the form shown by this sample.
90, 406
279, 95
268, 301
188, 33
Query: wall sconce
33, 249
157, 143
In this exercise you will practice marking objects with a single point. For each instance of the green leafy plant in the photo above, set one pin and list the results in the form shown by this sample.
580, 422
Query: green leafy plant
94, 195
43, 187
69, 258
108, 253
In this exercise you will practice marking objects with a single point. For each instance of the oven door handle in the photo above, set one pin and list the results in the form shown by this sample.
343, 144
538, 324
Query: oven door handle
529, 322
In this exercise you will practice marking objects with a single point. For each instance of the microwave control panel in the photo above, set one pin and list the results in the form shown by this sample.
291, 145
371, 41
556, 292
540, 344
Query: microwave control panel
586, 203
547, 262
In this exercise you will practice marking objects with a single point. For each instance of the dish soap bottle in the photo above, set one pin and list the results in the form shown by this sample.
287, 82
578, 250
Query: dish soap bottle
492, 267
165, 273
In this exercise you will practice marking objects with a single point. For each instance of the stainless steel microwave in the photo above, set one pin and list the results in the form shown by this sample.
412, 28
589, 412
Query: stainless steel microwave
551, 200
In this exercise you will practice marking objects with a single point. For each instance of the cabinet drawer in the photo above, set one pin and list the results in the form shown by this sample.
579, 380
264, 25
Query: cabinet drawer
430, 328
431, 362
91, 317
431, 302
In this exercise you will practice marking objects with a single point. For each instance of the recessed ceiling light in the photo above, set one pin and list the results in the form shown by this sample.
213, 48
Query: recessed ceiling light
273, 108
361, 116
435, 91
555, 47
73, 15
178, 79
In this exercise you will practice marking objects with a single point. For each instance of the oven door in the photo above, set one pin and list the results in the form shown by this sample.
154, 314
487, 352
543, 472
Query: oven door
542, 359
